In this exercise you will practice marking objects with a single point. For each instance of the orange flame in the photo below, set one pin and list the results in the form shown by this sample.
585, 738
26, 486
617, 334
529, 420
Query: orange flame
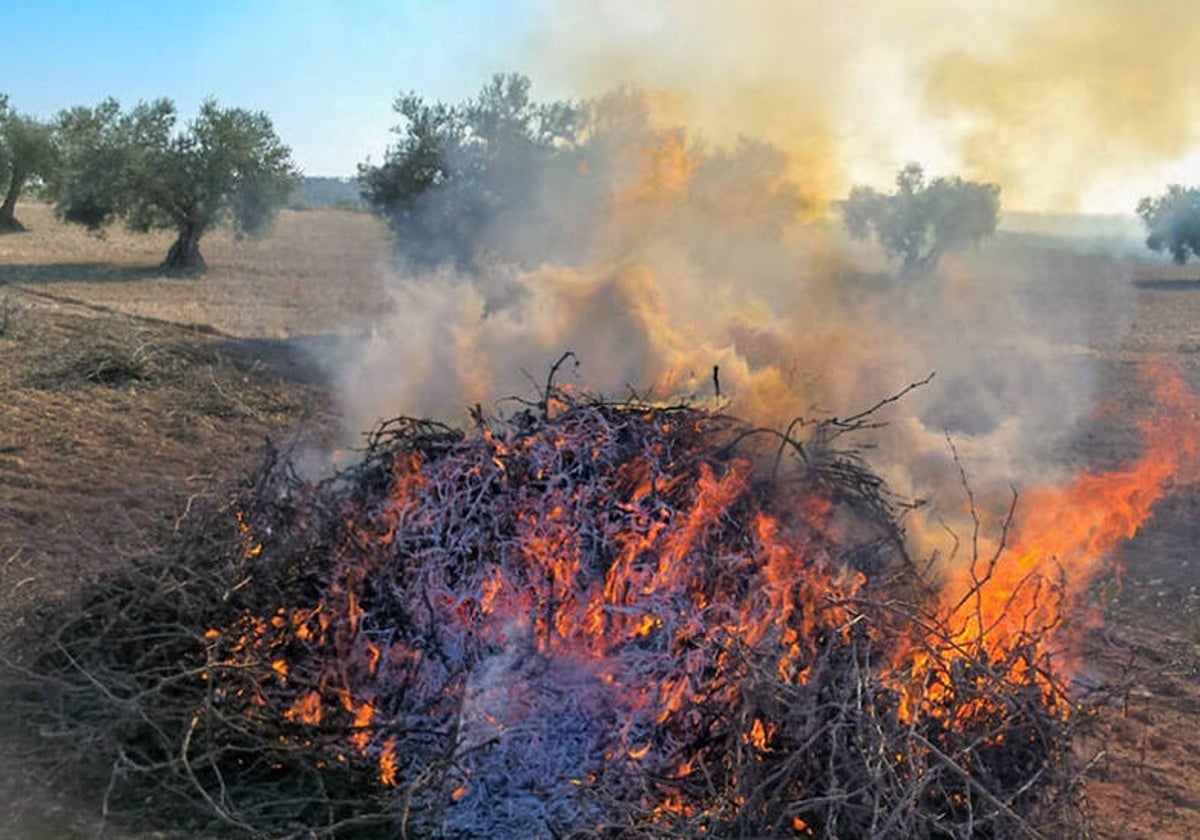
252, 547
363, 715
664, 169
1076, 528
387, 763
306, 709
1064, 537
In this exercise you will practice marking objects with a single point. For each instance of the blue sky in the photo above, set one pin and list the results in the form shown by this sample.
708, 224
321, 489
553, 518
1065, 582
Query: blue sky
325, 71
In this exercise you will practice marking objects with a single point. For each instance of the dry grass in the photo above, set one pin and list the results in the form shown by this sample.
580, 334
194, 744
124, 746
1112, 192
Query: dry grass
117, 410
317, 272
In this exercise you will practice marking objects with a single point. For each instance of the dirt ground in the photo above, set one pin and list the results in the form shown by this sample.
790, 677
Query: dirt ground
129, 397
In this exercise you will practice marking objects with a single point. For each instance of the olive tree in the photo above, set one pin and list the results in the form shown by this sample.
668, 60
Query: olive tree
922, 220
1172, 222
26, 154
457, 168
504, 179
227, 166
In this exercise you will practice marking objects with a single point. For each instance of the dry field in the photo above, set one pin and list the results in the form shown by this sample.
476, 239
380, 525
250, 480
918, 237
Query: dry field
129, 397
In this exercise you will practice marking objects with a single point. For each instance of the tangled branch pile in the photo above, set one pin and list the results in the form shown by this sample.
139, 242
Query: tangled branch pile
586, 619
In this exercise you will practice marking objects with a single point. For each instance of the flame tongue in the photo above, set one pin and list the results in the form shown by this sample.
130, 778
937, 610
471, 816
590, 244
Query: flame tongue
1064, 535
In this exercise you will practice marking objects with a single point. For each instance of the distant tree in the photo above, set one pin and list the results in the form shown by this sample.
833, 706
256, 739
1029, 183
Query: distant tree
339, 193
26, 154
1172, 222
226, 166
920, 221
455, 168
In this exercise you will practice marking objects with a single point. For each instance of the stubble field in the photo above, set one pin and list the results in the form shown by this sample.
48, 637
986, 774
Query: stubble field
127, 397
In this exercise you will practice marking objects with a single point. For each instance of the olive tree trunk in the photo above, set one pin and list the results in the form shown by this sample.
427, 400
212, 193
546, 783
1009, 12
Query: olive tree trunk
8, 219
184, 256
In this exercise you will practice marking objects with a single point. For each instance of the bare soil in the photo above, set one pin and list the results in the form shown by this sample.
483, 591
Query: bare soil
129, 397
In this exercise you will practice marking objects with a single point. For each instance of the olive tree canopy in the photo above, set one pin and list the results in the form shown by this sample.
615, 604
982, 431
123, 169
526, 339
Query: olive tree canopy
457, 168
921, 220
227, 166
26, 154
1172, 222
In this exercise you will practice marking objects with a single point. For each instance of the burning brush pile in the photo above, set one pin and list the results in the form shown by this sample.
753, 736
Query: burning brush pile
584, 619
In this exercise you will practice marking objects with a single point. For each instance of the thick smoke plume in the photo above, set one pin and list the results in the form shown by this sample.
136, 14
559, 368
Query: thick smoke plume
1083, 92
1067, 104
692, 267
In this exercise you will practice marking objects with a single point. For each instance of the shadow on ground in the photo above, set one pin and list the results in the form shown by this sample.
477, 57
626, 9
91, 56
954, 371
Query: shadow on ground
300, 359
1170, 284
86, 272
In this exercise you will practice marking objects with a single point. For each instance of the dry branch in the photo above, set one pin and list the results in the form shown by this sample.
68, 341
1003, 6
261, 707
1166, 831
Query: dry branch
586, 619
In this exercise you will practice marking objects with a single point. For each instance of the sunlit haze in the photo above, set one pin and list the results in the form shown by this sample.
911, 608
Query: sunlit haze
1069, 106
